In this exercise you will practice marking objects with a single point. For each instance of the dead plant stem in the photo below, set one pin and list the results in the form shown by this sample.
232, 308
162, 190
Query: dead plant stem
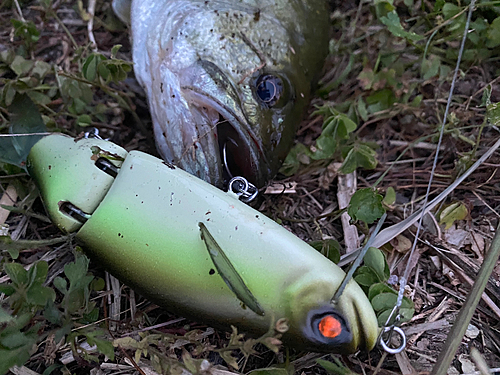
460, 326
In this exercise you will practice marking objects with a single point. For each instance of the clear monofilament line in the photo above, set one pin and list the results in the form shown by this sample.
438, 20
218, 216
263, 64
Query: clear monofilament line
24, 134
406, 274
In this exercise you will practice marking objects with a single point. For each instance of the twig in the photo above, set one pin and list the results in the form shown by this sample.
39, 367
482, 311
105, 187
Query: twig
440, 310
107, 318
484, 296
404, 364
24, 134
23, 370
462, 264
156, 326
480, 91
346, 188
314, 200
486, 204
427, 326
421, 355
479, 361
446, 290
420, 145
68, 33
90, 24
113, 284
9, 197
380, 363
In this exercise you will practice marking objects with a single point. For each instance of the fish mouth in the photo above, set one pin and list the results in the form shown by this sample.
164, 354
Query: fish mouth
239, 151
225, 140
236, 156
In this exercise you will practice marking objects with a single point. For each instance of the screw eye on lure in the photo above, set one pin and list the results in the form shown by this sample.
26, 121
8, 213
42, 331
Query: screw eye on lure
194, 249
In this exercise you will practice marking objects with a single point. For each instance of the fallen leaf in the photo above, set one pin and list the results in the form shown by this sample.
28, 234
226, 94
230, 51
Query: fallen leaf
401, 244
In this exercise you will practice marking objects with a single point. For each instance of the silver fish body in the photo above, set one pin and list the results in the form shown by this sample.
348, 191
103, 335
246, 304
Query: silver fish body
227, 81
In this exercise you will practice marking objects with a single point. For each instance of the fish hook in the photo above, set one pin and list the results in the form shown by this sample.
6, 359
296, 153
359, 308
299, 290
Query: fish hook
224, 158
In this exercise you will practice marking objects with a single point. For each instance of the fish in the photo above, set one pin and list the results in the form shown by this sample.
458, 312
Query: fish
227, 81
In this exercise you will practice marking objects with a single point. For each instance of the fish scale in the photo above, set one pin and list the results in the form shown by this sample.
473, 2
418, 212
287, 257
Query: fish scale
226, 48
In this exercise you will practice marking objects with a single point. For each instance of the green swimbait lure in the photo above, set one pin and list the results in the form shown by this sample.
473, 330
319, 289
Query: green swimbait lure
194, 249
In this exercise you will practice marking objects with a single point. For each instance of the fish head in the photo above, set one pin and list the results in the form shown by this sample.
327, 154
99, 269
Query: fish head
227, 87
240, 129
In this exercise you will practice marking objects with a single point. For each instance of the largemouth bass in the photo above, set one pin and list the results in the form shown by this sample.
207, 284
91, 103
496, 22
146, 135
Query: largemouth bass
227, 81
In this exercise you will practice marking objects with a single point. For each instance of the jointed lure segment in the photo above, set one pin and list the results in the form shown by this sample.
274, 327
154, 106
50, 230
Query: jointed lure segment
194, 249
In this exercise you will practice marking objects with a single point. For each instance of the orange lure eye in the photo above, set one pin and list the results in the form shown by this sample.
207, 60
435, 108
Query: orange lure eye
328, 330
329, 326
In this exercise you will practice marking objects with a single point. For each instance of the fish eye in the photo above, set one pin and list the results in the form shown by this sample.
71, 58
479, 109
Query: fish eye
269, 89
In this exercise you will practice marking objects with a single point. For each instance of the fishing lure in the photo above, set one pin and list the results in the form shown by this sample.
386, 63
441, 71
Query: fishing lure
194, 249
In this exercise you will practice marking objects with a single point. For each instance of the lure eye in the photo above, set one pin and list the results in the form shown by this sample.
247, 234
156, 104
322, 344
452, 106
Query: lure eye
269, 89
330, 327
327, 328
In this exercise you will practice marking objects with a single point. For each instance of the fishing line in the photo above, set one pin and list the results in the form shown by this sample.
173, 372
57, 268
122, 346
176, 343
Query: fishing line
404, 279
24, 134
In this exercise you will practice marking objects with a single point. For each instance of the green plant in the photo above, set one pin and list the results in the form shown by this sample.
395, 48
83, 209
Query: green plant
373, 276
31, 303
335, 142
